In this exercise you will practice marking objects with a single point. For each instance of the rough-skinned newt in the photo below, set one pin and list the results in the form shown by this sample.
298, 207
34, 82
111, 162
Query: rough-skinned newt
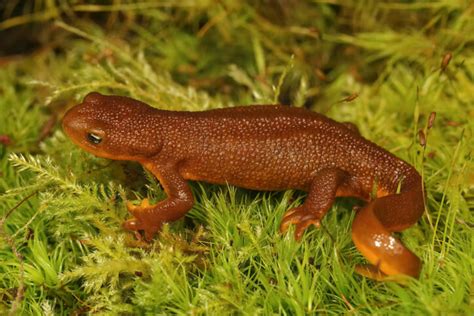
262, 147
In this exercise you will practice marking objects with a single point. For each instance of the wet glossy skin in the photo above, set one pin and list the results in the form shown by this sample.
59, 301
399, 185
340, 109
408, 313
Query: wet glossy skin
262, 148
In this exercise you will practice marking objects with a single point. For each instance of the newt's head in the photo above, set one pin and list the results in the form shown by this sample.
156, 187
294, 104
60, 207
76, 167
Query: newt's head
112, 127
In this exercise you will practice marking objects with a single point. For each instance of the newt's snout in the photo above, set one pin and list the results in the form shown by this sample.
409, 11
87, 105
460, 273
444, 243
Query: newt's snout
82, 130
71, 124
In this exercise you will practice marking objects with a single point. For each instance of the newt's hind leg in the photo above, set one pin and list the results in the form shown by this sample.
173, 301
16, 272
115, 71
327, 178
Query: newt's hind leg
321, 196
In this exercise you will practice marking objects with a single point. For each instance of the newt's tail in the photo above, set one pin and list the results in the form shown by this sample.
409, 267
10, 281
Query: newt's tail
374, 223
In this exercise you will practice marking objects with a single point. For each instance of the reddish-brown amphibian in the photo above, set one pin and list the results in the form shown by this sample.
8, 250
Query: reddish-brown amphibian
262, 148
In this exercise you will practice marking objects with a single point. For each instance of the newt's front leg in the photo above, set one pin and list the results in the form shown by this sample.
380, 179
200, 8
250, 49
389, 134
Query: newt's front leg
150, 218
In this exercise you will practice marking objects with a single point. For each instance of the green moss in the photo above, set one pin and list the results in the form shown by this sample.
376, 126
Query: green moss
61, 244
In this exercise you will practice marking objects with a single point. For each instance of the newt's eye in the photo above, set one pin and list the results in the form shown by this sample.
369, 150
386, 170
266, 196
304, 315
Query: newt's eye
93, 138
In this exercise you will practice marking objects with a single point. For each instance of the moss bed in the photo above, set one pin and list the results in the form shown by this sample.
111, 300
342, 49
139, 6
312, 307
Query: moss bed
382, 65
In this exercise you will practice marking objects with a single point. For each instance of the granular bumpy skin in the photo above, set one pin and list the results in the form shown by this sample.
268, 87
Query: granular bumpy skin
263, 147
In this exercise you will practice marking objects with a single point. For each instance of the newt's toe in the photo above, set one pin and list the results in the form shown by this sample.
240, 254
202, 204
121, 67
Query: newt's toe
301, 218
130, 206
304, 224
145, 203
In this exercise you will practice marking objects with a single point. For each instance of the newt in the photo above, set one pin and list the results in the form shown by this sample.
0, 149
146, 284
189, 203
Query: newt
259, 147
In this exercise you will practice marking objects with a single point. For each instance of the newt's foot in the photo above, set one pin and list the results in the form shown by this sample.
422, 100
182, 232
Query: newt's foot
134, 209
139, 222
134, 224
302, 218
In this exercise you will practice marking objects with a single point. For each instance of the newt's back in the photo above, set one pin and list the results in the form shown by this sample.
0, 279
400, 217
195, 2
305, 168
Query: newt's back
275, 148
